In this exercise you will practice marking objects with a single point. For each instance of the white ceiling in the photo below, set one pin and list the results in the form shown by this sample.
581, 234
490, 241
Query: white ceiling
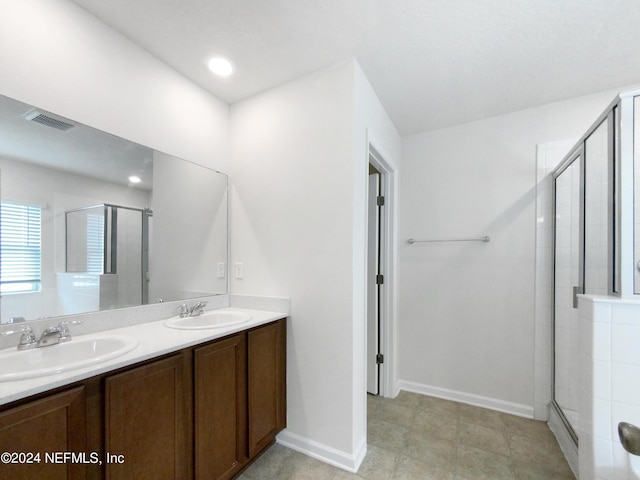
81, 150
433, 63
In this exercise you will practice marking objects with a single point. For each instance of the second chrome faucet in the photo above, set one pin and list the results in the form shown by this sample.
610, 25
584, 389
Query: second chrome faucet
192, 311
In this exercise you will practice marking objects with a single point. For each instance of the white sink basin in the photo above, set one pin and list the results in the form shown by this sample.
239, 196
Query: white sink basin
211, 319
77, 353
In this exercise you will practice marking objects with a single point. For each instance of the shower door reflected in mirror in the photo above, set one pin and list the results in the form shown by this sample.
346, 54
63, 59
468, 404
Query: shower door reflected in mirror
567, 283
107, 258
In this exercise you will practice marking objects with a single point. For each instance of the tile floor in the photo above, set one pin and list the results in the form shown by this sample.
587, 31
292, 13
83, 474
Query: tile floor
419, 437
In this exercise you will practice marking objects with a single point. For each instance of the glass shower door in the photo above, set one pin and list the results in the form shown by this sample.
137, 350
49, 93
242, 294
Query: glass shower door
567, 281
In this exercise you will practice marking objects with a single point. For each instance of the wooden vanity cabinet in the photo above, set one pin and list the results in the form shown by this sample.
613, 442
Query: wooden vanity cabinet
267, 388
146, 432
204, 412
220, 408
240, 399
55, 423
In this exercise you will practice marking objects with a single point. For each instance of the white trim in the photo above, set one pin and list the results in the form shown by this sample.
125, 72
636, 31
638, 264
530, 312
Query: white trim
469, 398
389, 262
324, 453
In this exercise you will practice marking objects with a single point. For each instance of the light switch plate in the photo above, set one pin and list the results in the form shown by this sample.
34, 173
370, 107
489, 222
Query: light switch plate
239, 270
221, 271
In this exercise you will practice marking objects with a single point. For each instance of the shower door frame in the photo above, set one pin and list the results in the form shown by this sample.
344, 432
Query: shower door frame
576, 155
613, 115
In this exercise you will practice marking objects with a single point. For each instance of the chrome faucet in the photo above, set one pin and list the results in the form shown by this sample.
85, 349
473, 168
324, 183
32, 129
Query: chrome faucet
55, 335
51, 336
197, 309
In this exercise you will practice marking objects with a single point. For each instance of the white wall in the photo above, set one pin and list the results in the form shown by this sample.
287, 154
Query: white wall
298, 225
58, 57
467, 310
291, 205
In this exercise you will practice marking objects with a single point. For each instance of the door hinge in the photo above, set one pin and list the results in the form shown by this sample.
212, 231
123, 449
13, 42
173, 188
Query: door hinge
379, 279
380, 201
379, 358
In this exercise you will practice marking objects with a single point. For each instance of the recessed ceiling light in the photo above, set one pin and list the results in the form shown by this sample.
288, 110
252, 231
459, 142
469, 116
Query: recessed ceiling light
134, 179
220, 66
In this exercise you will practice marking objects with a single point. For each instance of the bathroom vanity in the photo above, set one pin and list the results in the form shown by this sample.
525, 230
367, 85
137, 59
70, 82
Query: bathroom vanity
183, 404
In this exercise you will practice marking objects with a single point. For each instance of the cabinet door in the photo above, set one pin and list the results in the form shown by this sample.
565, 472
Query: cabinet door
266, 384
220, 408
52, 424
145, 422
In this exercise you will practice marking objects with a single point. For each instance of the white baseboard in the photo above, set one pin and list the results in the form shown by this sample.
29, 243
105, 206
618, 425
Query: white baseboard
324, 453
468, 398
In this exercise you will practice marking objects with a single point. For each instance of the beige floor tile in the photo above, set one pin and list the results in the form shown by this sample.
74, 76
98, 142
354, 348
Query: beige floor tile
481, 416
482, 437
373, 401
419, 437
301, 467
344, 475
407, 399
411, 469
536, 472
479, 464
430, 449
443, 424
546, 454
270, 463
438, 405
379, 464
527, 427
392, 413
389, 436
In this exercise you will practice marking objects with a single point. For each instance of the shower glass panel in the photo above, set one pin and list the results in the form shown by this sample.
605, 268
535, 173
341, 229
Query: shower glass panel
85, 240
129, 256
567, 281
596, 212
108, 246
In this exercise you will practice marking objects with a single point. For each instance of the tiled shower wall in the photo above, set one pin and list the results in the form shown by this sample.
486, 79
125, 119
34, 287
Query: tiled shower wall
610, 383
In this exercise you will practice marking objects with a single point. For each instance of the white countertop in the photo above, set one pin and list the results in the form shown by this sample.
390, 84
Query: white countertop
154, 339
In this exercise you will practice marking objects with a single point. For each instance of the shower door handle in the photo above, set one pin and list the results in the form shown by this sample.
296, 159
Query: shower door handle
576, 290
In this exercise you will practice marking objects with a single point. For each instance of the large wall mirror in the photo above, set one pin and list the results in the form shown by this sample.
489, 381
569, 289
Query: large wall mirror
90, 221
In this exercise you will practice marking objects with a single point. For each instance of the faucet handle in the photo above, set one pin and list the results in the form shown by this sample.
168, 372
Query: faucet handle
184, 310
27, 339
65, 334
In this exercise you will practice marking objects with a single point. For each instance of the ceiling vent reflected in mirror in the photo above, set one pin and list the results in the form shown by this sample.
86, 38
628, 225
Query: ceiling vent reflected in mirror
47, 120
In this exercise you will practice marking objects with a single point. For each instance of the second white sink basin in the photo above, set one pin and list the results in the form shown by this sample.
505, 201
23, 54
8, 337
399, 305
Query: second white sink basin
77, 353
211, 319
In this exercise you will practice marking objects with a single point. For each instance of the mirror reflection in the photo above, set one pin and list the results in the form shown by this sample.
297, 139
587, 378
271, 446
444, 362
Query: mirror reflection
90, 221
